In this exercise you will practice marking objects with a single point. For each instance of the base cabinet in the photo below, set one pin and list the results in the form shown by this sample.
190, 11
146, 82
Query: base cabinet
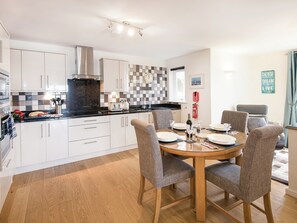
121, 132
43, 141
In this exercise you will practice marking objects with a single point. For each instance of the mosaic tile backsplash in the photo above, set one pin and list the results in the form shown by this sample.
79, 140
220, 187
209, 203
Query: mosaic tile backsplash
139, 93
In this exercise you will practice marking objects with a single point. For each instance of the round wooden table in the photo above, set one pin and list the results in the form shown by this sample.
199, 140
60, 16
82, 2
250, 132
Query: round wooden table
200, 153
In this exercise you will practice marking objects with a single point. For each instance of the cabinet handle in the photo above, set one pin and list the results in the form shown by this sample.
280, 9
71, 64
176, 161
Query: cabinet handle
122, 121
90, 142
49, 129
126, 119
41, 81
47, 81
117, 83
91, 127
93, 120
41, 129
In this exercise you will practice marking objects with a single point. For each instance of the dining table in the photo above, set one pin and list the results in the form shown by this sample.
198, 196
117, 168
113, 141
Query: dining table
200, 149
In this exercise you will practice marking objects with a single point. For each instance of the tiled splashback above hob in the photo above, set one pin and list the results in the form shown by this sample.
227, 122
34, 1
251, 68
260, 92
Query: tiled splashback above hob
139, 93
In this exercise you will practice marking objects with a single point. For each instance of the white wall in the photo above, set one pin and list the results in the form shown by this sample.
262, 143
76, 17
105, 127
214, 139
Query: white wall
70, 52
195, 63
276, 102
230, 82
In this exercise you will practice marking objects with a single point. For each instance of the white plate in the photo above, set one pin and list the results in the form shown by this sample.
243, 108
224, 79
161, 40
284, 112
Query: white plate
218, 127
167, 136
180, 126
221, 139
202, 135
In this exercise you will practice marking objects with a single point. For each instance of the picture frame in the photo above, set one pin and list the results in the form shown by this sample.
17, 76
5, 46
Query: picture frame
197, 81
268, 82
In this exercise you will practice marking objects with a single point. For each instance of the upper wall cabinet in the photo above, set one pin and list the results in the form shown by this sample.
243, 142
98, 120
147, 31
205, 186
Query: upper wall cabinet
37, 71
115, 75
4, 50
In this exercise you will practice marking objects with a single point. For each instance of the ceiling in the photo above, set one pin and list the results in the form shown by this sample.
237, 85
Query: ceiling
171, 27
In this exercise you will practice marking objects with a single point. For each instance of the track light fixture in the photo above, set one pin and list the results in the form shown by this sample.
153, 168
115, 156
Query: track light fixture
120, 27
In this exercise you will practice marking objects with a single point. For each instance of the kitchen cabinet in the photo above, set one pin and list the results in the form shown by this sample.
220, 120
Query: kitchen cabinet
37, 71
176, 115
15, 70
115, 75
32, 71
43, 141
147, 117
121, 131
4, 50
16, 145
88, 135
55, 71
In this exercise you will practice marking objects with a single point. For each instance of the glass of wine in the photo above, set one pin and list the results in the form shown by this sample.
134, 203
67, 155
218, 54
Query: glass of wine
171, 122
227, 127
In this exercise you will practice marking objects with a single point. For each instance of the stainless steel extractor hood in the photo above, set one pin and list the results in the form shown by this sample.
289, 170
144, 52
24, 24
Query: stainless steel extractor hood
84, 63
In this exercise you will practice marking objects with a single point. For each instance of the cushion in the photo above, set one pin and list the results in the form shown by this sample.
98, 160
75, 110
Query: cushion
256, 122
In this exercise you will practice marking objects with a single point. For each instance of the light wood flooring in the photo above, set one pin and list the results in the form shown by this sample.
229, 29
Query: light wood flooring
104, 189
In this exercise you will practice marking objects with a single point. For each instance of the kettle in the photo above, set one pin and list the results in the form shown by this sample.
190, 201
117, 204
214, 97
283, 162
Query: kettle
125, 104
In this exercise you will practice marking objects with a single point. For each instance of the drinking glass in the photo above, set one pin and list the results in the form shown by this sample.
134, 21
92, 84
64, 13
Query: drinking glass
227, 126
171, 122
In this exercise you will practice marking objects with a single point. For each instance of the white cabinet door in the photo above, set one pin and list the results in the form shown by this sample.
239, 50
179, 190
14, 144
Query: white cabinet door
4, 50
117, 131
33, 143
16, 145
33, 71
130, 131
55, 71
56, 140
15, 70
176, 115
124, 76
111, 75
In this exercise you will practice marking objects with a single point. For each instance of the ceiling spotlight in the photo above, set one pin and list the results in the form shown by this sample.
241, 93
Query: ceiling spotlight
110, 26
140, 32
131, 31
120, 27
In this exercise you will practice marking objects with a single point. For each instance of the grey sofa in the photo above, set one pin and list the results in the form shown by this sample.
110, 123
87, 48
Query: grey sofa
258, 118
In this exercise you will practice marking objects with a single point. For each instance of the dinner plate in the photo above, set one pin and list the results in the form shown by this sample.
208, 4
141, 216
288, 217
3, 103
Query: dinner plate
180, 126
167, 136
221, 139
202, 135
218, 127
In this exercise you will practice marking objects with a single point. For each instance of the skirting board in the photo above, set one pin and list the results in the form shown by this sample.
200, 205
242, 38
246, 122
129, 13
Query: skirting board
292, 193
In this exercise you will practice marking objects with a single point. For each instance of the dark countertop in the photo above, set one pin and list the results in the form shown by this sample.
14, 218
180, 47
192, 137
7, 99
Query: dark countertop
102, 112
291, 127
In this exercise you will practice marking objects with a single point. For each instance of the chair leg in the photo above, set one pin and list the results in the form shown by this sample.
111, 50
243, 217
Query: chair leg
226, 195
158, 205
141, 189
247, 212
267, 206
192, 191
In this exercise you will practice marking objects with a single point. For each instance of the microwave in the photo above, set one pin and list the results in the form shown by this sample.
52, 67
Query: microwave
4, 88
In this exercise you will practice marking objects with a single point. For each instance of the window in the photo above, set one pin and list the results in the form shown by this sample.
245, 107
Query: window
177, 84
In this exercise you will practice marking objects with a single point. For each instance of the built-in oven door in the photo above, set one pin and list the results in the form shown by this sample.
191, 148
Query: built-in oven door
4, 88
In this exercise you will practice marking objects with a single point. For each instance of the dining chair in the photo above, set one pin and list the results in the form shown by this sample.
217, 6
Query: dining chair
162, 118
160, 171
237, 119
252, 179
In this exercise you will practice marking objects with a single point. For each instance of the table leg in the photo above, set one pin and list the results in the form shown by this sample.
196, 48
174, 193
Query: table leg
238, 160
200, 188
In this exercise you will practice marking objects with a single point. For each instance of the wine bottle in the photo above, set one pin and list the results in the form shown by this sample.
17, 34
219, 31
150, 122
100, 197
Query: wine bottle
189, 125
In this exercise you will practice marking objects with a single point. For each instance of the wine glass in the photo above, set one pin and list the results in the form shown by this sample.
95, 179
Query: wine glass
227, 127
171, 122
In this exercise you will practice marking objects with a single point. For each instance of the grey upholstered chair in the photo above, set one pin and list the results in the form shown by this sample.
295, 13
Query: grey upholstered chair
253, 179
258, 118
160, 170
238, 120
161, 118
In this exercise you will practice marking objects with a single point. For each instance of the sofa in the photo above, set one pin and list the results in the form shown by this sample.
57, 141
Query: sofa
258, 118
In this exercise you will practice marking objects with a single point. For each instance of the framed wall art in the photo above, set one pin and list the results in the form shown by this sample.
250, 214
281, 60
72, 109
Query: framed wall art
268, 82
197, 81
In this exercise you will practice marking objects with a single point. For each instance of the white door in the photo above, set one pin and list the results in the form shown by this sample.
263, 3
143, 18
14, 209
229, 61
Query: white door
117, 131
124, 76
55, 71
111, 79
15, 70
130, 131
57, 140
33, 143
32, 71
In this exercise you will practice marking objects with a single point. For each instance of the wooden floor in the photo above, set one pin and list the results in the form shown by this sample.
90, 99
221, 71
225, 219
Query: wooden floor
104, 189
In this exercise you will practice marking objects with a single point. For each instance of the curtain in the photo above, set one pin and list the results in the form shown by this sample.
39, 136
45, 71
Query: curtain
291, 97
